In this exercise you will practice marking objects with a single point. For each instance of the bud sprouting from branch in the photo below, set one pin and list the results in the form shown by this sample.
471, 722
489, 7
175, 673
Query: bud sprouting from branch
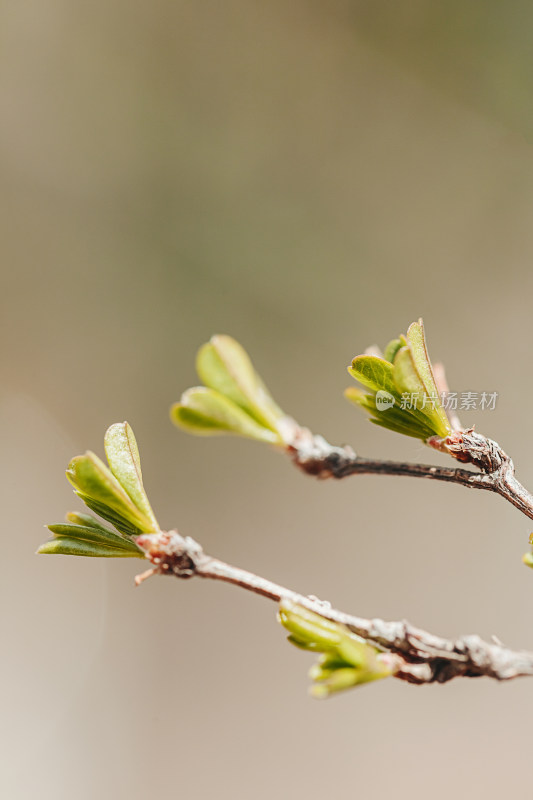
402, 393
346, 659
116, 493
233, 399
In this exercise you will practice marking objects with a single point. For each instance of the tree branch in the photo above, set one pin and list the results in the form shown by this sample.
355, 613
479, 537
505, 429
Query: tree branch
315, 456
416, 655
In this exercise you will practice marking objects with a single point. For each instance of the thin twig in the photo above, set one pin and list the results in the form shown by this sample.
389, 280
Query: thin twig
315, 456
418, 656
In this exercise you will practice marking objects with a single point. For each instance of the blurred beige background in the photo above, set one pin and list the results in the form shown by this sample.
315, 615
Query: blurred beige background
308, 177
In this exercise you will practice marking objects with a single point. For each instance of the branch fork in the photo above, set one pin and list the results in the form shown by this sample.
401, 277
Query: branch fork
414, 655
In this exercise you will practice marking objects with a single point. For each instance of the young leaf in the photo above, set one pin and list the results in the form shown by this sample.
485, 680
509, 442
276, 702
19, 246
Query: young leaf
90, 476
406, 377
409, 381
417, 345
63, 545
360, 398
403, 427
123, 457
333, 681
301, 645
102, 536
121, 524
344, 678
374, 373
394, 418
205, 411
85, 520
391, 350
308, 627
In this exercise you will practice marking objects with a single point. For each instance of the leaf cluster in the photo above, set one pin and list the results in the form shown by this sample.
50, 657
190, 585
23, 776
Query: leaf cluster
403, 369
345, 661
233, 399
116, 493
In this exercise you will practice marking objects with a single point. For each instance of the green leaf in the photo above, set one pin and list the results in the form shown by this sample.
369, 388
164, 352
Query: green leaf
409, 382
344, 678
391, 350
223, 365
337, 681
301, 645
308, 627
62, 545
123, 457
406, 377
396, 416
527, 559
374, 373
392, 425
90, 476
356, 652
85, 520
205, 411
331, 661
393, 418
102, 536
417, 345
360, 398
120, 523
